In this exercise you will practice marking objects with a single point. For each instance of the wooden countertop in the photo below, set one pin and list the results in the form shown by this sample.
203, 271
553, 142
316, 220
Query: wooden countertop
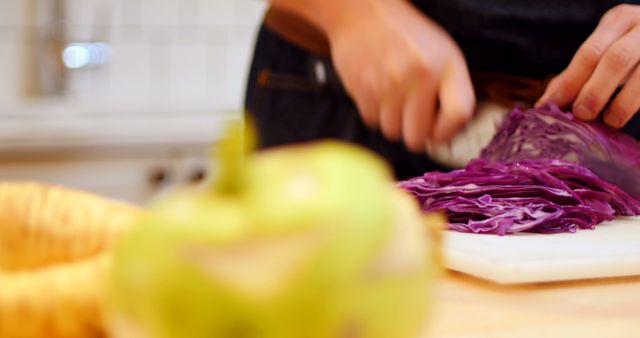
468, 307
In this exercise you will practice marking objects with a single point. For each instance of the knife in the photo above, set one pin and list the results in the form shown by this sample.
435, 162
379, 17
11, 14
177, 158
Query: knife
614, 170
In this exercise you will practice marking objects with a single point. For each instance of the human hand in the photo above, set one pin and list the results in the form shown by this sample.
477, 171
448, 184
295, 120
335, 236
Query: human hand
607, 59
406, 74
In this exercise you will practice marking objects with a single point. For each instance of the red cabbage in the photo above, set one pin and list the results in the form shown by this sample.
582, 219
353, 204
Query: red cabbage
531, 178
550, 133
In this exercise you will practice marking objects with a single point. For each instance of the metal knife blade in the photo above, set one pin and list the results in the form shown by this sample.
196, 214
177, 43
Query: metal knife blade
615, 171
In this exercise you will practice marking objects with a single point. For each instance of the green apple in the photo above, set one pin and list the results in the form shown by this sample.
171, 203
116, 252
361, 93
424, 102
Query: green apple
302, 241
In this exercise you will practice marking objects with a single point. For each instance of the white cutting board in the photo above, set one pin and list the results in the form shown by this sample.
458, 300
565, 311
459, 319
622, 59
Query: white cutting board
611, 250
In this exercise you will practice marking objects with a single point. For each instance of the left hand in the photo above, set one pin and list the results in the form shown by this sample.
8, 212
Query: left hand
606, 60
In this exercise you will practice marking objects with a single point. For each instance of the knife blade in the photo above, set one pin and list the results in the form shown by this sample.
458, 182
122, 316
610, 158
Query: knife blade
614, 170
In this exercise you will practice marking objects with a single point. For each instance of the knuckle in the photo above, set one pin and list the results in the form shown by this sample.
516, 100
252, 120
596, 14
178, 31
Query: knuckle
398, 72
370, 119
619, 58
590, 100
617, 12
389, 123
554, 83
365, 110
422, 69
458, 111
619, 113
466, 108
555, 86
565, 90
413, 142
590, 53
366, 104
561, 90
624, 9
412, 137
367, 91
559, 86
396, 77
390, 132
463, 114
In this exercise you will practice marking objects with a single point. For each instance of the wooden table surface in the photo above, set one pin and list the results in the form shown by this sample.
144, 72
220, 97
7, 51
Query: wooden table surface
468, 307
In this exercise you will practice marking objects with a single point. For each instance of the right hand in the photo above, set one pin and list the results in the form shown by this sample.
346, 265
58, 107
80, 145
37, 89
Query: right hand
405, 73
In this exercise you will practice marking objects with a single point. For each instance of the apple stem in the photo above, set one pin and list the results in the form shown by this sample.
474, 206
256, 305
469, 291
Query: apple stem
232, 151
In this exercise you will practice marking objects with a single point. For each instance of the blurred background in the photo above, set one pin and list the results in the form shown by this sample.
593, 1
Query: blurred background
120, 97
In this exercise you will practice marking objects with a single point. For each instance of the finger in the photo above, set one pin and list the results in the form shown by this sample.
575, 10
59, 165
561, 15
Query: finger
457, 102
551, 92
566, 86
418, 115
626, 104
368, 106
551, 87
391, 116
361, 87
616, 63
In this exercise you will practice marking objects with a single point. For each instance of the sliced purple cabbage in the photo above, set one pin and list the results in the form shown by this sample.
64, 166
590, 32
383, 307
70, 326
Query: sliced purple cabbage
550, 133
530, 178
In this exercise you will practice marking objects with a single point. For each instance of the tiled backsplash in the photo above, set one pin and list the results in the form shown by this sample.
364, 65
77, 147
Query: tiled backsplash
182, 52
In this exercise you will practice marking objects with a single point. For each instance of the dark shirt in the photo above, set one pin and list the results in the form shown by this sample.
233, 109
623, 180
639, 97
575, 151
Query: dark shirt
527, 38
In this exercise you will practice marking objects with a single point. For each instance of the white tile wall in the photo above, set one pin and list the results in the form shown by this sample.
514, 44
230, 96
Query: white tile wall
220, 13
163, 50
127, 12
160, 12
249, 11
238, 57
188, 60
11, 81
12, 13
219, 78
83, 12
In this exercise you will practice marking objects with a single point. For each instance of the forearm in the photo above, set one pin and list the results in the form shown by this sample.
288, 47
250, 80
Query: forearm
328, 15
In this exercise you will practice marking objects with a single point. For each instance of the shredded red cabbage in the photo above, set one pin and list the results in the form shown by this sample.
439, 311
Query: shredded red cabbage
550, 133
524, 180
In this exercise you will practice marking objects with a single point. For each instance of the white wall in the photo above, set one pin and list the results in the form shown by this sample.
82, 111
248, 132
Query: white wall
180, 53
176, 78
